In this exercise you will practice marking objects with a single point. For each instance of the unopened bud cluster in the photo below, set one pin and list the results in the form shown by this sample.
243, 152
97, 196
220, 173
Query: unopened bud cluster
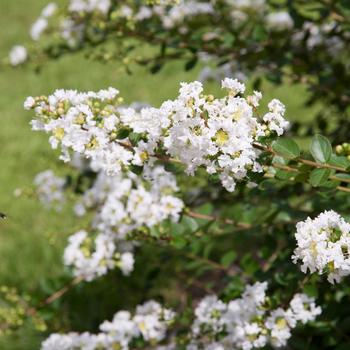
343, 150
15, 310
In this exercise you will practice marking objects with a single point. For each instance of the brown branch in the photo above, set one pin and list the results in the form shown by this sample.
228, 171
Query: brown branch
56, 295
214, 218
130, 147
344, 189
300, 160
192, 281
291, 169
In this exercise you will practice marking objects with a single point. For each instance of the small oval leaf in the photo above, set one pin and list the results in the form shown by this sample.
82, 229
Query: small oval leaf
321, 149
286, 147
319, 177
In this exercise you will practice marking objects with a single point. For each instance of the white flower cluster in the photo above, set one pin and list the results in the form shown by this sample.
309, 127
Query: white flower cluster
242, 11
70, 29
50, 188
328, 35
196, 129
184, 10
150, 322
169, 14
101, 6
247, 323
279, 21
18, 55
244, 323
42, 23
123, 203
93, 257
323, 245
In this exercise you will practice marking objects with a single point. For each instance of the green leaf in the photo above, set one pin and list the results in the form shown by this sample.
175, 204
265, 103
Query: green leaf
343, 176
311, 290
190, 224
319, 177
321, 149
134, 138
286, 147
123, 133
340, 161
136, 169
284, 175
228, 258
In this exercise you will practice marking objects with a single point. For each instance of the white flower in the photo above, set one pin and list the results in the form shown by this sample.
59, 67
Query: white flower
126, 263
152, 320
18, 55
50, 189
58, 342
275, 118
29, 103
121, 329
49, 10
279, 21
197, 130
303, 308
90, 5
323, 245
241, 324
38, 28
254, 99
233, 85
209, 315
247, 322
90, 258
279, 327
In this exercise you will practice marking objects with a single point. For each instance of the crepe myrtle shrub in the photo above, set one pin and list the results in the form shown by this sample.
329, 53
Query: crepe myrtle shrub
294, 42
201, 224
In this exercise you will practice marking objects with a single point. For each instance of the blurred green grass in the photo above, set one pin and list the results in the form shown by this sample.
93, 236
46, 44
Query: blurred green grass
27, 256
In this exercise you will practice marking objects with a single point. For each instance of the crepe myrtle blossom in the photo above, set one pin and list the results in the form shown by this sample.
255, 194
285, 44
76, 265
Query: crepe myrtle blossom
323, 245
243, 323
149, 322
42, 23
126, 202
123, 204
50, 188
248, 322
92, 258
328, 35
196, 129
279, 21
18, 55
88, 6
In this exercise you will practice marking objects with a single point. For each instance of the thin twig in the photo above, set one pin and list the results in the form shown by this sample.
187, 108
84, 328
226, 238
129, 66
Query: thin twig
56, 295
291, 169
214, 218
301, 160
